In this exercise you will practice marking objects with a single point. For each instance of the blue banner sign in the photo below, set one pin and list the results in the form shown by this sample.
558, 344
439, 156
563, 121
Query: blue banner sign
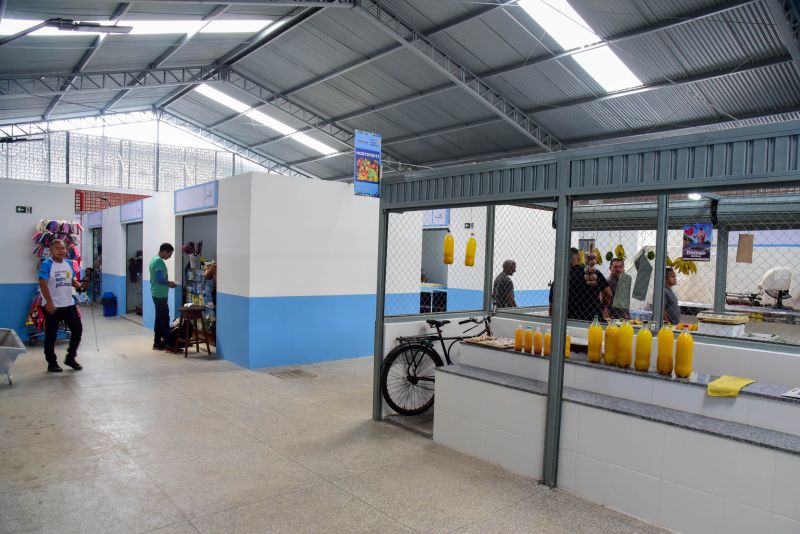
367, 164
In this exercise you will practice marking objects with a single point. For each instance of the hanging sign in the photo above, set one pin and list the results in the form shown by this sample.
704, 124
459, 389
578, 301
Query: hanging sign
94, 219
367, 164
436, 218
697, 242
200, 197
131, 212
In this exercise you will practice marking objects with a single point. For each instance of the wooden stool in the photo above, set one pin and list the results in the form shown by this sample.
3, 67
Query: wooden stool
190, 316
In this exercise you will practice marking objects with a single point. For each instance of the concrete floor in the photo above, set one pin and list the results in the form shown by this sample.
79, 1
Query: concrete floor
143, 441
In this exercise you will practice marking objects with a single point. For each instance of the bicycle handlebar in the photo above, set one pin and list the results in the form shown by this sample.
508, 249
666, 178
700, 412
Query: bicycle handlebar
465, 321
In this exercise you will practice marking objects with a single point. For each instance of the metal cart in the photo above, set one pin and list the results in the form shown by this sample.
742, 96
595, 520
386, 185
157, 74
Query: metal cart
11, 346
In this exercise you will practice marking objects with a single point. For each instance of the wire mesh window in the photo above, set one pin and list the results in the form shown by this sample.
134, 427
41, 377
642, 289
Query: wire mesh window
417, 278
524, 256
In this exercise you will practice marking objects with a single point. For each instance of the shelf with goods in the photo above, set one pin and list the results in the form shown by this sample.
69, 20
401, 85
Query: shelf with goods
200, 291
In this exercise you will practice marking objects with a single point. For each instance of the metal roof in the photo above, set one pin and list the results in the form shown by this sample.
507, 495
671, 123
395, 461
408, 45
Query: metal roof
330, 70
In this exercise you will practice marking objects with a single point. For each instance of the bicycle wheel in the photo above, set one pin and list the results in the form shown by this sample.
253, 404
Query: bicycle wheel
407, 378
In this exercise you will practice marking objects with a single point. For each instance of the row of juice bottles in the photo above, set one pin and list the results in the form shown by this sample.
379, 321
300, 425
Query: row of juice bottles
619, 346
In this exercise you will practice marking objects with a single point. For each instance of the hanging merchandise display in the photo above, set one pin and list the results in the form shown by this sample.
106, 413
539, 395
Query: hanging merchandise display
449, 248
619, 251
472, 245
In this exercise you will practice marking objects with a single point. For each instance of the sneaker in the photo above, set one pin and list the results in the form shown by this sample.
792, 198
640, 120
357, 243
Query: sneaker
54, 368
71, 362
159, 347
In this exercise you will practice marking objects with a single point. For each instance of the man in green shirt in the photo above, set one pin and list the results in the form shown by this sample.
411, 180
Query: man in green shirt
159, 288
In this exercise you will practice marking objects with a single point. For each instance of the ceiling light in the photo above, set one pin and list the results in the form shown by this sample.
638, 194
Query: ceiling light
310, 142
570, 31
17, 28
234, 26
155, 27
695, 196
221, 98
269, 122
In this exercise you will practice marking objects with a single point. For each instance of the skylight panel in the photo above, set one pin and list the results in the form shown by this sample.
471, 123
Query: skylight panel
221, 98
269, 122
312, 143
155, 27
234, 26
570, 31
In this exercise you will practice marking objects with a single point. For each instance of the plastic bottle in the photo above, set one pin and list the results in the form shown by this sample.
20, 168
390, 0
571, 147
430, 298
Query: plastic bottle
527, 343
666, 342
518, 335
566, 347
449, 247
537, 341
625, 345
612, 341
683, 354
595, 341
472, 245
548, 337
644, 346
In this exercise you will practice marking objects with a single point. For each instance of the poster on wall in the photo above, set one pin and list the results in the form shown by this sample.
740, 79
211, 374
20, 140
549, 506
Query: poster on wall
436, 218
697, 241
367, 164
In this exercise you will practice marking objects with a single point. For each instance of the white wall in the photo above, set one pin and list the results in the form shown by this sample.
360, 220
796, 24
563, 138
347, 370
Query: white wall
16, 229
459, 276
113, 243
313, 238
234, 235
158, 227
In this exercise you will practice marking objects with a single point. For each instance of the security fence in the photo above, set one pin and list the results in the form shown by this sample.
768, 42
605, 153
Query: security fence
62, 157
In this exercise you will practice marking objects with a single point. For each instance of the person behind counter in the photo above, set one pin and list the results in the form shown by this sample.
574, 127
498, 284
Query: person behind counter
586, 290
672, 310
618, 305
503, 288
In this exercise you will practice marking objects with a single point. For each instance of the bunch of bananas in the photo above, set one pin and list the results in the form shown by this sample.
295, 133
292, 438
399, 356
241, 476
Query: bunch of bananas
686, 267
598, 256
619, 251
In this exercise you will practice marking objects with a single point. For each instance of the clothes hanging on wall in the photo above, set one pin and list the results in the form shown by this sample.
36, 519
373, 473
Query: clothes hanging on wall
643, 273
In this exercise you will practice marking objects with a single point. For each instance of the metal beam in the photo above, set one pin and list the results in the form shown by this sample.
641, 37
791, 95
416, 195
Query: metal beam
458, 74
615, 39
662, 225
66, 125
380, 300
721, 270
380, 54
56, 84
120, 12
488, 260
786, 15
263, 38
231, 145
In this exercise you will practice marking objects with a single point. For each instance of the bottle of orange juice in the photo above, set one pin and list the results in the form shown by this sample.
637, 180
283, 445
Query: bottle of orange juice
666, 342
548, 337
449, 247
469, 257
625, 345
595, 349
527, 342
537, 341
612, 340
566, 346
683, 354
518, 338
644, 346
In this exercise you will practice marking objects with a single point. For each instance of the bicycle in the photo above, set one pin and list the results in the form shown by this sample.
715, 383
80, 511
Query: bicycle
407, 372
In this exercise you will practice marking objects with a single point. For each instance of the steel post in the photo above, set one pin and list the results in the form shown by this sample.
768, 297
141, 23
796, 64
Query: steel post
662, 214
380, 299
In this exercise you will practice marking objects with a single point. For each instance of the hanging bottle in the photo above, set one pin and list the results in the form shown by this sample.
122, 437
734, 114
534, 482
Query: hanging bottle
548, 339
472, 245
566, 346
449, 247
644, 346
595, 348
625, 345
527, 342
518, 338
612, 340
537, 341
666, 342
683, 354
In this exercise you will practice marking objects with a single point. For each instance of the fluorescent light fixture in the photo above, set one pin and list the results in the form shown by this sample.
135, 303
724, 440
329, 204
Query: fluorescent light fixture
61, 27
570, 31
234, 26
269, 122
695, 196
312, 143
221, 98
155, 27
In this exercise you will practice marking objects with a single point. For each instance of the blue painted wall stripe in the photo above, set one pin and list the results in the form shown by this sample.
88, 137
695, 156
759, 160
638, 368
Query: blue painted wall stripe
17, 300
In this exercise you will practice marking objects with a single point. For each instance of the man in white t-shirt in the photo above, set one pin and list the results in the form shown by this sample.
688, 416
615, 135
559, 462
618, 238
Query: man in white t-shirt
57, 278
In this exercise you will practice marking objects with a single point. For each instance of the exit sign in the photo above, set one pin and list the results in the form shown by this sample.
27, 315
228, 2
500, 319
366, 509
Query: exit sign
24, 209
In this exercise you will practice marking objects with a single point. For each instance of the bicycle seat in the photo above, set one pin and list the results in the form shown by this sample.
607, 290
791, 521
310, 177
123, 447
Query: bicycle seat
436, 324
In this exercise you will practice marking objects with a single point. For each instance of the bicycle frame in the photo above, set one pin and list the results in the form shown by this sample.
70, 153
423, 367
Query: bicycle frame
431, 338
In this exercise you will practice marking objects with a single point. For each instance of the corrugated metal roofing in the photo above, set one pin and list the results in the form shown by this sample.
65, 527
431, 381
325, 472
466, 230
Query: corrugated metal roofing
43, 54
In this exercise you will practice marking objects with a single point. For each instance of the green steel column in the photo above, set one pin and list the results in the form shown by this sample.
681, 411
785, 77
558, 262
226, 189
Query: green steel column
555, 384
380, 298
721, 280
662, 214
488, 275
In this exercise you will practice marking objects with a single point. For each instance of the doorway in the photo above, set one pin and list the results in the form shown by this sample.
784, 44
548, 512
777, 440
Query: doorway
433, 279
133, 269
97, 265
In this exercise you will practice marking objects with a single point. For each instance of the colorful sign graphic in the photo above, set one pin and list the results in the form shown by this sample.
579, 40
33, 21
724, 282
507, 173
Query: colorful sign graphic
697, 241
367, 172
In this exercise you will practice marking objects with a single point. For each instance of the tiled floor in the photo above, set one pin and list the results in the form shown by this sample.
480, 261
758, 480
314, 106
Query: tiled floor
144, 441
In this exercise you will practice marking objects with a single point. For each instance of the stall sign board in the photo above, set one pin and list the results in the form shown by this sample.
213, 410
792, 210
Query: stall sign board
367, 164
436, 218
131, 212
94, 219
697, 241
197, 198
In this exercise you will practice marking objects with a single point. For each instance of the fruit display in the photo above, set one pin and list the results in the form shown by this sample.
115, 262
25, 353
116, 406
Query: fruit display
687, 267
690, 327
609, 256
598, 256
368, 170
619, 251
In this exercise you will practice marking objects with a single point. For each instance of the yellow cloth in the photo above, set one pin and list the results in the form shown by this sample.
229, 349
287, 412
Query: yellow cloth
727, 386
